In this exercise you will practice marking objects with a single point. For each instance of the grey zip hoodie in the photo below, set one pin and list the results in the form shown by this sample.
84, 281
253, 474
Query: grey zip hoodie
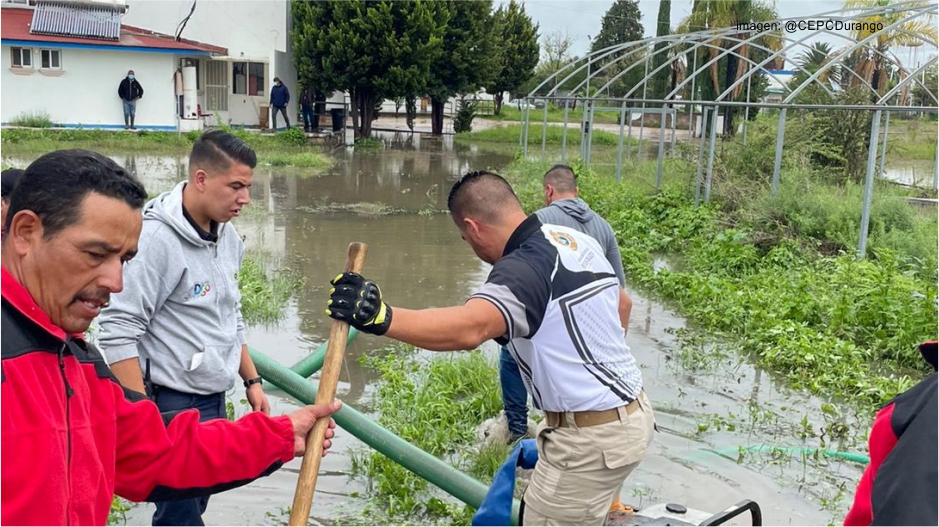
576, 214
180, 306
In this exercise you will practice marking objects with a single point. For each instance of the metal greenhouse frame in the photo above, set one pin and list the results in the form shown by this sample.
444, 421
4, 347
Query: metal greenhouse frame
678, 49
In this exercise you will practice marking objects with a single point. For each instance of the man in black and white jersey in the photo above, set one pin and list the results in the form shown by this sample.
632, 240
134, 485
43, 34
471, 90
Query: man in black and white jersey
553, 297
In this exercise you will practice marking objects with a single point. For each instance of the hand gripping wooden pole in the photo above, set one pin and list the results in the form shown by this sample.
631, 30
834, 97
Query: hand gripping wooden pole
309, 470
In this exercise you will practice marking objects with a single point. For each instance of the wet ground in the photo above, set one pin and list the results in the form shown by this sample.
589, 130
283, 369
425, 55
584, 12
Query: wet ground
391, 200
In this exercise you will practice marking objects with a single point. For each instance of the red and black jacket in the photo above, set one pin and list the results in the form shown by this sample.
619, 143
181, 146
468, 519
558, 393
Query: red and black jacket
900, 484
72, 436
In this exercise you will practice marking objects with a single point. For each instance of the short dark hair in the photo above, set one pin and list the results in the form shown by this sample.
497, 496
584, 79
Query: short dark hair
562, 178
55, 185
9, 178
481, 195
217, 149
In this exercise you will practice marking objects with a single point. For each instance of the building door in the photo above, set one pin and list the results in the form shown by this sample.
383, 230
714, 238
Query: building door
216, 89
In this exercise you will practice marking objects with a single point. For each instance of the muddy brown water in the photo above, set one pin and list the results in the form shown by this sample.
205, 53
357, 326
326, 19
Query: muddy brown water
385, 198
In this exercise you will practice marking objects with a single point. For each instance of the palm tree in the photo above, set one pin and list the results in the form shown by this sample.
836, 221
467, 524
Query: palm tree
872, 62
726, 14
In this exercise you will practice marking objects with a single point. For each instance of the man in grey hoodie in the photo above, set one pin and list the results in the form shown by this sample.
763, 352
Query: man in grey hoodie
176, 331
562, 207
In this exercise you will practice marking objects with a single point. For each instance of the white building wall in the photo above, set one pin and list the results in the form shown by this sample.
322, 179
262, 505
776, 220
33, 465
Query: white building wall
86, 91
252, 30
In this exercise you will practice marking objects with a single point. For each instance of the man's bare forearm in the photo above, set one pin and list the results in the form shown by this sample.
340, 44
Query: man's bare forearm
128, 373
446, 329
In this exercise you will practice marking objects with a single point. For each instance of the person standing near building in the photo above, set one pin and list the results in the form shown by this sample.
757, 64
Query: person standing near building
554, 300
177, 327
280, 97
130, 90
562, 207
306, 109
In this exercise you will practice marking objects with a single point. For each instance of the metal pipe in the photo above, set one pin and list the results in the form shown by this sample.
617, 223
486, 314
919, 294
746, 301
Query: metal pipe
697, 179
777, 164
883, 151
424, 465
658, 167
868, 186
544, 131
525, 130
707, 181
746, 114
619, 147
629, 132
564, 134
642, 117
590, 135
771, 106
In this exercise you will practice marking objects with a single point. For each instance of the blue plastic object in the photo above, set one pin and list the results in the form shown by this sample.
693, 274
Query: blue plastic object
496, 508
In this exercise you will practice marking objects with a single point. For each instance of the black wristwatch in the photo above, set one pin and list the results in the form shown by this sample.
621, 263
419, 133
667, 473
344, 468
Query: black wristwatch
256, 380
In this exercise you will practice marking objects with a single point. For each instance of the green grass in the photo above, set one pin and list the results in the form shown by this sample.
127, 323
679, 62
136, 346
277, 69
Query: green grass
265, 292
301, 160
436, 405
752, 272
288, 148
32, 120
912, 140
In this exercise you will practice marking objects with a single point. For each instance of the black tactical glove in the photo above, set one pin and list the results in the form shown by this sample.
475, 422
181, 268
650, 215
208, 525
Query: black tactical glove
356, 300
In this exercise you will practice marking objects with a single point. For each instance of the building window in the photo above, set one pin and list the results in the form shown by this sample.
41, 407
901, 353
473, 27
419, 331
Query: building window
22, 57
51, 59
248, 78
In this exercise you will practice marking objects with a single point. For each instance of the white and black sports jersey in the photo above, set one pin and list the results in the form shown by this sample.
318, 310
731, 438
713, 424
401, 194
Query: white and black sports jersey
560, 300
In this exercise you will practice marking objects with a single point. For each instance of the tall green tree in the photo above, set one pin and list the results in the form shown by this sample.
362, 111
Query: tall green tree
663, 27
372, 49
470, 58
520, 51
621, 23
874, 62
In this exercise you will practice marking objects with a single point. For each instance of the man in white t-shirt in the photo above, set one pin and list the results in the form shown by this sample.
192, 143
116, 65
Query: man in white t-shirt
554, 299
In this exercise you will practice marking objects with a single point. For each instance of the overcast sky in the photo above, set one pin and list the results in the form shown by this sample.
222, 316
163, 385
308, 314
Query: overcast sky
581, 18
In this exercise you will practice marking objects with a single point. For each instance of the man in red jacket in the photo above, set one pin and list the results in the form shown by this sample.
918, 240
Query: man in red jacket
71, 436
899, 486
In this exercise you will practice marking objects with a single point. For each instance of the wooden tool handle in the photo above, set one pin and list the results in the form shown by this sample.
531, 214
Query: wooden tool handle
309, 469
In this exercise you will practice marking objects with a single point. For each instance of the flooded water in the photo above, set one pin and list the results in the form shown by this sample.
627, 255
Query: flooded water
390, 199
911, 173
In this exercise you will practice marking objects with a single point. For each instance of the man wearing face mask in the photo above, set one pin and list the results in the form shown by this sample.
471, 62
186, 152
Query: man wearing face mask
280, 96
129, 91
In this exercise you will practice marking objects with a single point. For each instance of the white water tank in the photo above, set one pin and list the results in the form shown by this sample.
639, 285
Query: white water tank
190, 95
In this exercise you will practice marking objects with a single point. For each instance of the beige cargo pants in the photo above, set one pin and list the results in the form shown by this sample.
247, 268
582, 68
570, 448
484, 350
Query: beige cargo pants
580, 470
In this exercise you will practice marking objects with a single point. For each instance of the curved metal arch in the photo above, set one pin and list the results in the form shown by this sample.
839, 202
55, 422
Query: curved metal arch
592, 56
677, 42
907, 81
707, 65
695, 73
587, 63
800, 42
727, 34
846, 52
617, 60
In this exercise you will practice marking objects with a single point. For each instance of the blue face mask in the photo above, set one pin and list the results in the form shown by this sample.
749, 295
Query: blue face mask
131, 77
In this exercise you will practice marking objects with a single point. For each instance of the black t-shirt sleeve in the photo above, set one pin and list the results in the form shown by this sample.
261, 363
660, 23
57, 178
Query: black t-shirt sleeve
520, 293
